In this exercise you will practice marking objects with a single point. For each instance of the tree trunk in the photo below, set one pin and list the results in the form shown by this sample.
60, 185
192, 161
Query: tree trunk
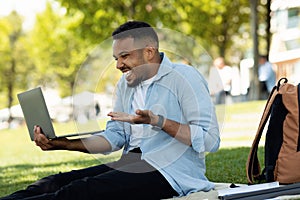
268, 26
10, 88
254, 85
11, 74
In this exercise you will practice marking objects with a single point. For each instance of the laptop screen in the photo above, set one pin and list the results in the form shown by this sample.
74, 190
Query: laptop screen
35, 112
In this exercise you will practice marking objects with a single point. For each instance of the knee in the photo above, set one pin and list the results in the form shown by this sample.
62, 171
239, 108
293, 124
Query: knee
47, 184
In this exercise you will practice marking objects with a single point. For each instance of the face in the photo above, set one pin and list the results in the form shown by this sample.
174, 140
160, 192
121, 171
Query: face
219, 63
130, 60
261, 61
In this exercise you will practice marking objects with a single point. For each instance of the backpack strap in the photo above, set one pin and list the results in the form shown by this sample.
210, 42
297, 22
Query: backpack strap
253, 166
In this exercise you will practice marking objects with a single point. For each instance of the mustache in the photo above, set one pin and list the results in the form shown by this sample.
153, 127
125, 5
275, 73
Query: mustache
126, 68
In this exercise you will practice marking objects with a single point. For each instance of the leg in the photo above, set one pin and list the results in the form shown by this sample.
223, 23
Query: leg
55, 182
220, 97
117, 184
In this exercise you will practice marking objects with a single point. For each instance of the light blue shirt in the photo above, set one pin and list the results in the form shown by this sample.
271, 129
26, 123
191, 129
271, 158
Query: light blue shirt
267, 74
180, 93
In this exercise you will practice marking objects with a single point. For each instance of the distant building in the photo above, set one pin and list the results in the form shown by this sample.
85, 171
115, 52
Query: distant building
285, 44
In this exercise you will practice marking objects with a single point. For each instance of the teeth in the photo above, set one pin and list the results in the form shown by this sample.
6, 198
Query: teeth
127, 73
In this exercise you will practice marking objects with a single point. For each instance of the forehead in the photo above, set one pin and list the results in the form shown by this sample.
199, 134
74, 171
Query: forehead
123, 45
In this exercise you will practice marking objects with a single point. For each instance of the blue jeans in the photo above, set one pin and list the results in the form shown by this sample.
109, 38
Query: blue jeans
128, 178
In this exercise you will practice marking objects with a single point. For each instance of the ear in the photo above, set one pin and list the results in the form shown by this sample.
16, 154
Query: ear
149, 53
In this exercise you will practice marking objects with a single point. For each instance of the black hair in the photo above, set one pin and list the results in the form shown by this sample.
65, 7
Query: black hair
136, 30
265, 56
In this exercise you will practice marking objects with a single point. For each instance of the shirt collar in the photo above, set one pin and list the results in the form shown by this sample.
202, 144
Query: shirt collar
165, 66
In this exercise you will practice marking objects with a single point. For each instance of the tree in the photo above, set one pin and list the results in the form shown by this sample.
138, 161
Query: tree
57, 53
254, 93
214, 24
61, 40
13, 56
260, 17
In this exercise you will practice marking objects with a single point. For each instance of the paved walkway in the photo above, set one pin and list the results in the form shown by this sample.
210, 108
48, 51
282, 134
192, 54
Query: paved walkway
240, 131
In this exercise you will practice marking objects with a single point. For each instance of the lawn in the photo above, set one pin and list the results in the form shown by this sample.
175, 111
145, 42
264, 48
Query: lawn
22, 162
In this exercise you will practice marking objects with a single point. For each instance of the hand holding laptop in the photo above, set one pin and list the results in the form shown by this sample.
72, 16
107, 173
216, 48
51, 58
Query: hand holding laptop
92, 144
48, 144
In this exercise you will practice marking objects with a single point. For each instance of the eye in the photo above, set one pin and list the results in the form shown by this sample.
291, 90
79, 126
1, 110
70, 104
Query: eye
124, 55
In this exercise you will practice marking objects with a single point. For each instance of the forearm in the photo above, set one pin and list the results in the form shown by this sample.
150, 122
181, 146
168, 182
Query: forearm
179, 131
93, 144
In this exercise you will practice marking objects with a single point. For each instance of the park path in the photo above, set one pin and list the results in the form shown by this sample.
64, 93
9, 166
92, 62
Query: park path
240, 131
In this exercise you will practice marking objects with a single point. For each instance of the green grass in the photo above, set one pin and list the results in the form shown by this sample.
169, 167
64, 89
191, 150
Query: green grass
23, 163
229, 165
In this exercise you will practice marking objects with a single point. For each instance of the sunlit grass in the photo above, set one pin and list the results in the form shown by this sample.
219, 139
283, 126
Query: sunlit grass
229, 165
22, 162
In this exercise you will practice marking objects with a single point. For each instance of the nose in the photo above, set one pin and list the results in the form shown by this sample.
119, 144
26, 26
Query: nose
119, 64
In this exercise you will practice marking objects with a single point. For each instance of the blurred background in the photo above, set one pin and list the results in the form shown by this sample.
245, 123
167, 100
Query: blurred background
57, 44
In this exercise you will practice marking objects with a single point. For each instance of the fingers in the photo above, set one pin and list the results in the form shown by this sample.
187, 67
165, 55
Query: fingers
144, 113
118, 115
141, 112
141, 117
43, 145
121, 116
40, 139
111, 114
147, 116
37, 131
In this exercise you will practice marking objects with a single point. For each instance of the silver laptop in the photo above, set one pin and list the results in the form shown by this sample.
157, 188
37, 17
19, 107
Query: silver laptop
35, 112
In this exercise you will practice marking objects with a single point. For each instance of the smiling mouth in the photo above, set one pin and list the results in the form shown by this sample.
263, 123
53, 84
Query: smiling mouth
127, 73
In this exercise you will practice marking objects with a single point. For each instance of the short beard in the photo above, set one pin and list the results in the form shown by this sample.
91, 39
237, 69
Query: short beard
135, 83
142, 72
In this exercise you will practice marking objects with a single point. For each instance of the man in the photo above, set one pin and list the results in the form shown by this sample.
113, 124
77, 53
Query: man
220, 78
163, 119
266, 76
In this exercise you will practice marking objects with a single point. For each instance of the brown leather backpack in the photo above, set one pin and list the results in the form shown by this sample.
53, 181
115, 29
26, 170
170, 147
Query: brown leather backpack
282, 142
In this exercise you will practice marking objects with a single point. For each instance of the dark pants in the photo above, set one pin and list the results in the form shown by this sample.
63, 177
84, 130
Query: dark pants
220, 97
128, 178
264, 93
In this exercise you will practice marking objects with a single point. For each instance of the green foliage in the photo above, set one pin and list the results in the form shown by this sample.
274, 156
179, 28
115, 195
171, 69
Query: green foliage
216, 24
99, 69
14, 58
58, 53
53, 53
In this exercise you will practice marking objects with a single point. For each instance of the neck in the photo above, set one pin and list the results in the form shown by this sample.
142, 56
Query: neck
154, 65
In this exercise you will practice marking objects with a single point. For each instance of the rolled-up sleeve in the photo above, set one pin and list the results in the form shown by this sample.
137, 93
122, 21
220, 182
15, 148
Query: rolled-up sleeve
114, 134
199, 113
197, 138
